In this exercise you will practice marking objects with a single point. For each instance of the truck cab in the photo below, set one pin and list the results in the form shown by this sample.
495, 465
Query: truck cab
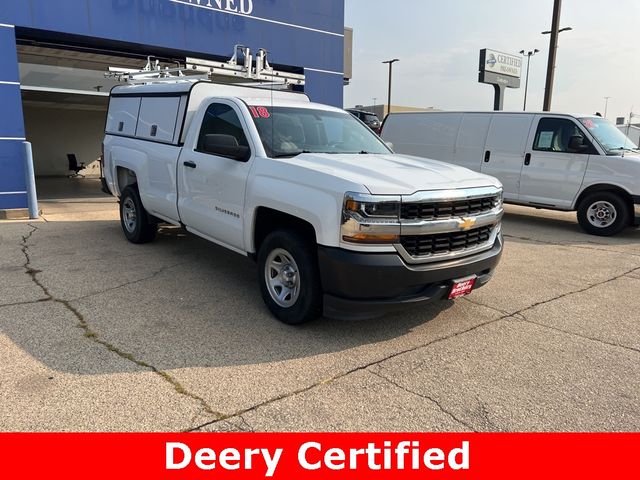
338, 224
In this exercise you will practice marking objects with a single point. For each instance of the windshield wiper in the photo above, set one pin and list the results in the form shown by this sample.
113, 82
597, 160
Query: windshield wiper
290, 155
628, 149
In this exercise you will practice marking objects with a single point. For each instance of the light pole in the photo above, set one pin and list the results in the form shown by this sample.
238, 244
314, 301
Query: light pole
526, 83
390, 62
606, 105
553, 47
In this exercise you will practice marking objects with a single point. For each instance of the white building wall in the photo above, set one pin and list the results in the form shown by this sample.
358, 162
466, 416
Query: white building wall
54, 132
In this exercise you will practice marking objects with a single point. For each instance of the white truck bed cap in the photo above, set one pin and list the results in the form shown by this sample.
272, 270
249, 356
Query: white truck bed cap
209, 89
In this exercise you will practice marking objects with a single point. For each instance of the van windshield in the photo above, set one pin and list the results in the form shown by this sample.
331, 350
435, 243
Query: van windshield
608, 135
290, 131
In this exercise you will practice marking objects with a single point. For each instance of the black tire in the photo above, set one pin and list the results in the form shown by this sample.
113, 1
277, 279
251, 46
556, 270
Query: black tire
614, 211
138, 226
307, 304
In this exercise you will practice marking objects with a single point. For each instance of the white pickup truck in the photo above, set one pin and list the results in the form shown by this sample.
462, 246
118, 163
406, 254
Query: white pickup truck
339, 224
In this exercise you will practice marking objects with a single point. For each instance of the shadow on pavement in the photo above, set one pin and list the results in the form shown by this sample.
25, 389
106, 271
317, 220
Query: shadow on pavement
178, 302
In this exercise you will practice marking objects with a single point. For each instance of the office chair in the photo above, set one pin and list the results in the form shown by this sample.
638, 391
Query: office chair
74, 166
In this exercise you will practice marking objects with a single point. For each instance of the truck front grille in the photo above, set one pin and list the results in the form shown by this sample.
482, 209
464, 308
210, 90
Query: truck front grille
441, 210
443, 243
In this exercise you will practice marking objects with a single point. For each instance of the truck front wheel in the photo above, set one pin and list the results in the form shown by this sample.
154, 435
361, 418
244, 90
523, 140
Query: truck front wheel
289, 277
603, 213
136, 223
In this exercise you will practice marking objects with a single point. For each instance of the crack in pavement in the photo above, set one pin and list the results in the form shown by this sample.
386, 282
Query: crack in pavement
346, 373
132, 282
579, 335
557, 297
409, 350
30, 302
244, 421
426, 397
90, 334
484, 412
574, 292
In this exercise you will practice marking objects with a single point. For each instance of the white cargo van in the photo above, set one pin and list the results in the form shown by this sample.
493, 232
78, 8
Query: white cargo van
544, 160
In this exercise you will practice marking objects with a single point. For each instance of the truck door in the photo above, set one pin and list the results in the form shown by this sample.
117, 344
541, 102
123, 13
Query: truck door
212, 187
555, 162
505, 150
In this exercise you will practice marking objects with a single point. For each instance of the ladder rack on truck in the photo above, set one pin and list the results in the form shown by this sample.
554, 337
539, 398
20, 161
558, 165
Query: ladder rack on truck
240, 66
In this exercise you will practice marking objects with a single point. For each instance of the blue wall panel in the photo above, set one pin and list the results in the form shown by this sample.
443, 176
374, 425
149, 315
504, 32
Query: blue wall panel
324, 87
11, 125
8, 56
182, 25
12, 177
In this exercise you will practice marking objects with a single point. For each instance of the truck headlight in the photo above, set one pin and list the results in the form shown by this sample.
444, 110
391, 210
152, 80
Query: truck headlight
370, 219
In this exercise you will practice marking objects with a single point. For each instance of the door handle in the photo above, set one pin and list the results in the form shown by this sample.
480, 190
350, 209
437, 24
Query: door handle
487, 156
527, 159
190, 164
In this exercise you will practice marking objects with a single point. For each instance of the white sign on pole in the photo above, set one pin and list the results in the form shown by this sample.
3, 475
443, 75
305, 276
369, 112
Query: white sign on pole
503, 63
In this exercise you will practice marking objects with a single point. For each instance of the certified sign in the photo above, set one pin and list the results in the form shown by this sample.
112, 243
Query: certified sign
502, 63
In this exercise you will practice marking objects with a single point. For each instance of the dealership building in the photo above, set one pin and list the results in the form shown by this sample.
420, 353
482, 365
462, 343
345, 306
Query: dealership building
54, 56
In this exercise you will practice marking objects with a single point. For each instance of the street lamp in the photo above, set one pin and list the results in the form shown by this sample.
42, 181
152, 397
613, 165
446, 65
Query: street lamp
390, 62
553, 47
606, 104
526, 83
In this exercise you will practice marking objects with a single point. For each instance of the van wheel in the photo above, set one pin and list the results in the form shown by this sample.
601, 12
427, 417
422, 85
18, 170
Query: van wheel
603, 213
138, 226
289, 277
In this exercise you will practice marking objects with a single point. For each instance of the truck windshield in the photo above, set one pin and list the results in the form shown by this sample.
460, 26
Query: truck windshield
290, 131
608, 135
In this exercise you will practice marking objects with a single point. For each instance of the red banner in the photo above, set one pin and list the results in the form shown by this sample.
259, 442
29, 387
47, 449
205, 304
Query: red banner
320, 456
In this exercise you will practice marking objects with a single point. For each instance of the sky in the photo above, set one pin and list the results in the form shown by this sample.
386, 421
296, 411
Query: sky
438, 44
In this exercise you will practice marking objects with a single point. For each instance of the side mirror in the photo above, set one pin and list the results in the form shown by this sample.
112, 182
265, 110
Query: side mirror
576, 144
389, 144
226, 146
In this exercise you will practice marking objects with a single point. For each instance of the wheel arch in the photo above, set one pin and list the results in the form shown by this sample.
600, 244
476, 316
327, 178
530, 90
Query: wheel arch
124, 177
605, 187
267, 220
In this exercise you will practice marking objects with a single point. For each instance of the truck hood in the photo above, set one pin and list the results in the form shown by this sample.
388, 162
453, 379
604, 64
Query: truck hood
394, 174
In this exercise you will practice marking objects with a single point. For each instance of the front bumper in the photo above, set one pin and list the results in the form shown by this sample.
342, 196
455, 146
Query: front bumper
636, 210
368, 285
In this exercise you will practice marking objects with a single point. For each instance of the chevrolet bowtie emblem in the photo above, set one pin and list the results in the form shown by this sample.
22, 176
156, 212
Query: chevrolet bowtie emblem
466, 223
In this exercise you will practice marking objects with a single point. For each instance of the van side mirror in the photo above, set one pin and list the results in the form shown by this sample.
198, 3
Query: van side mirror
226, 146
577, 145
390, 145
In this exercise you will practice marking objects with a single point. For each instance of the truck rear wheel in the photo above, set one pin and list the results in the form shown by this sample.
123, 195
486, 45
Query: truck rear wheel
138, 226
603, 213
289, 277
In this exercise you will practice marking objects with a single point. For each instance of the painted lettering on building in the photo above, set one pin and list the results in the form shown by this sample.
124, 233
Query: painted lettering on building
241, 7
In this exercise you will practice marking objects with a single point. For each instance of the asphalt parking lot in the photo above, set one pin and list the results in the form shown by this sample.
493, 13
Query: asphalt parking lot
100, 334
